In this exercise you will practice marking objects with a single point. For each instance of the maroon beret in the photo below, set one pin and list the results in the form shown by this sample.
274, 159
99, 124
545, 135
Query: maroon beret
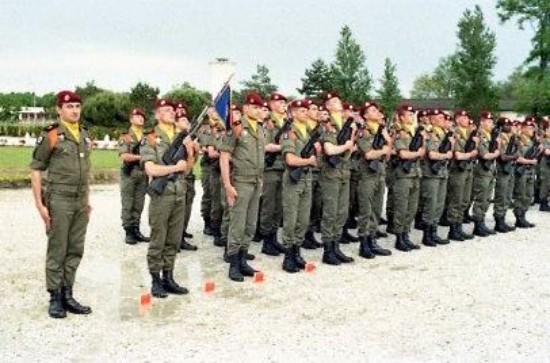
137, 112
459, 113
436, 112
448, 117
423, 113
330, 95
487, 115
236, 107
530, 118
253, 98
368, 105
275, 96
299, 103
529, 121
516, 123
348, 106
67, 97
504, 121
163, 102
404, 107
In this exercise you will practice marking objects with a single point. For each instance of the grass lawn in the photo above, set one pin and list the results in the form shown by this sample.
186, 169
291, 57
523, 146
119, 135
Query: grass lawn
14, 164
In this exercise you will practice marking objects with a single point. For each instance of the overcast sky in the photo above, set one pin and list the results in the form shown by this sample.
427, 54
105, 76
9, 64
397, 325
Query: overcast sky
50, 45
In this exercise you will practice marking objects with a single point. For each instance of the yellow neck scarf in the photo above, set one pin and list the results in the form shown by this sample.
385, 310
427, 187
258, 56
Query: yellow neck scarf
278, 118
372, 126
311, 124
168, 129
74, 129
438, 131
301, 128
337, 117
253, 124
138, 131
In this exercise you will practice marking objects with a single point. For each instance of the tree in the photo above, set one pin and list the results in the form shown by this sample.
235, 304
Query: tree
107, 108
349, 73
317, 79
144, 96
537, 14
88, 90
473, 63
389, 93
259, 82
195, 99
423, 87
439, 84
507, 89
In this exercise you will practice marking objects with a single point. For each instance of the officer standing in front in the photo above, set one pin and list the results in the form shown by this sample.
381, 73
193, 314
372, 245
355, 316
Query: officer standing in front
63, 150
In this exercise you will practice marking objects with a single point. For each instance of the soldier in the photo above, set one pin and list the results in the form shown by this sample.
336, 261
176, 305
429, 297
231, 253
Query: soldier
484, 172
423, 117
212, 151
271, 212
206, 200
434, 176
167, 209
371, 151
296, 192
310, 242
460, 178
406, 185
63, 149
545, 169
244, 145
133, 181
348, 110
335, 183
183, 124
525, 171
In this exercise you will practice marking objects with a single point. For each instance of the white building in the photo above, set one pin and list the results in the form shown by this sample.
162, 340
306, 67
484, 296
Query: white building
220, 71
34, 114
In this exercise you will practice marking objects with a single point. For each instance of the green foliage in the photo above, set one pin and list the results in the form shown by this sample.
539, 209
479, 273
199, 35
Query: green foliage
473, 62
195, 99
389, 93
88, 90
439, 84
144, 96
107, 108
349, 74
259, 82
317, 79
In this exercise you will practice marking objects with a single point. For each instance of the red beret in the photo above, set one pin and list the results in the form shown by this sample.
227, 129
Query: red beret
137, 112
253, 98
436, 112
235, 107
516, 123
459, 113
530, 118
368, 105
163, 102
67, 97
322, 108
448, 117
348, 107
330, 95
299, 103
277, 97
404, 107
423, 113
504, 121
487, 115
529, 121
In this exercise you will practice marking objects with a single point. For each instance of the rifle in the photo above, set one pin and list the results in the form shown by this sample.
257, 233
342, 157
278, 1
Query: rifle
493, 145
415, 144
531, 154
468, 148
343, 136
269, 158
307, 151
511, 149
377, 144
444, 147
127, 167
176, 152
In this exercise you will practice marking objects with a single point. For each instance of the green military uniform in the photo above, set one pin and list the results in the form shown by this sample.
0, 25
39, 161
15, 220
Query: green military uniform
545, 177
484, 179
189, 197
504, 183
216, 209
67, 161
524, 181
206, 199
166, 211
133, 182
393, 130
247, 153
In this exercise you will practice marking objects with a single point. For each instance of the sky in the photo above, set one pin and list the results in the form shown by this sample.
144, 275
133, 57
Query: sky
50, 45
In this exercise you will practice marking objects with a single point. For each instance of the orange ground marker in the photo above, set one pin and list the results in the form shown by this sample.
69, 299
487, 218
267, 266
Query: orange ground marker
310, 267
259, 277
209, 286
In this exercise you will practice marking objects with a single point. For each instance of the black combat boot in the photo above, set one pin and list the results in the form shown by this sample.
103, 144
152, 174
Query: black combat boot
380, 234
364, 248
71, 305
139, 236
427, 237
276, 243
207, 228
234, 267
467, 218
329, 257
245, 268
500, 225
157, 290
257, 236
340, 255
544, 207
187, 235
418, 222
464, 234
436, 238
56, 309
479, 229
289, 264
131, 238
409, 243
310, 243
222, 241
300, 262
444, 220
186, 246
454, 233
520, 220
268, 248
347, 237
375, 248
218, 238
170, 285
400, 243
531, 225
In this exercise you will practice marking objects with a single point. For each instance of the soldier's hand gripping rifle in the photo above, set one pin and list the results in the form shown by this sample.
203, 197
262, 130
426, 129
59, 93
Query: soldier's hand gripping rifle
493, 146
506, 160
307, 151
378, 143
269, 158
128, 166
468, 148
343, 136
531, 154
437, 165
416, 143
176, 152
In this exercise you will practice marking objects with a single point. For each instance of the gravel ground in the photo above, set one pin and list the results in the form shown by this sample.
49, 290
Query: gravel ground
481, 300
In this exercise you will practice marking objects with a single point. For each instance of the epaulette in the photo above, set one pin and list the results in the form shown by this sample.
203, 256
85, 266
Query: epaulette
151, 139
51, 127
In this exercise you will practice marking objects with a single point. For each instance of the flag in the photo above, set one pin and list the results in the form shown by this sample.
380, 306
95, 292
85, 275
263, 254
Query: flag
222, 104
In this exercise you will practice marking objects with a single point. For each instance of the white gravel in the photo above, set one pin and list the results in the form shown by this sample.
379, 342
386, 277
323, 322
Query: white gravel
481, 300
